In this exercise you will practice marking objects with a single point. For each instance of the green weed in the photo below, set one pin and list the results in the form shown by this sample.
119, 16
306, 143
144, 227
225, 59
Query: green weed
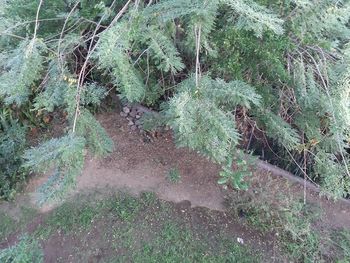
142, 229
7, 225
148, 198
26, 251
68, 217
174, 175
125, 206
287, 218
340, 242
174, 243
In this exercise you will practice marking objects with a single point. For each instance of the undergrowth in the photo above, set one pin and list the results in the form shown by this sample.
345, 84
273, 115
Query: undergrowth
26, 250
147, 229
136, 229
174, 175
12, 145
292, 222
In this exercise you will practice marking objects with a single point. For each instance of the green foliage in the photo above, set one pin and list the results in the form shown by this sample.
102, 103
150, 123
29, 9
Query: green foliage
125, 207
12, 145
246, 54
253, 16
163, 51
65, 156
277, 128
14, 222
290, 220
112, 53
54, 93
96, 137
202, 120
157, 231
25, 251
176, 244
293, 52
7, 225
302, 108
20, 71
340, 241
332, 175
235, 178
174, 175
71, 216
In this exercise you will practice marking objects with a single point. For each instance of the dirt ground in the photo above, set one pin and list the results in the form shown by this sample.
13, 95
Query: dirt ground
142, 166
137, 166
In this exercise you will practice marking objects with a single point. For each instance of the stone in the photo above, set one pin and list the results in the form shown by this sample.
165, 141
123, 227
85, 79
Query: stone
133, 128
126, 109
131, 123
138, 122
123, 114
138, 116
133, 113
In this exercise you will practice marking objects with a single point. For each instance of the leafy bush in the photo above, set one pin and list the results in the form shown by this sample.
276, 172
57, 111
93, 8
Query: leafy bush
25, 251
223, 72
12, 145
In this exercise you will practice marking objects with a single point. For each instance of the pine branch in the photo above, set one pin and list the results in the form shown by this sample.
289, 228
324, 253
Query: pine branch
65, 156
23, 68
255, 17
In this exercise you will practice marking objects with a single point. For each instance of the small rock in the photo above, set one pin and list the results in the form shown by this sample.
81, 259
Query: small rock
129, 119
138, 116
123, 114
138, 122
133, 128
126, 109
131, 123
133, 113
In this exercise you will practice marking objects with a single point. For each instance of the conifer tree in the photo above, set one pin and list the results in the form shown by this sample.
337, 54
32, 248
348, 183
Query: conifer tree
285, 64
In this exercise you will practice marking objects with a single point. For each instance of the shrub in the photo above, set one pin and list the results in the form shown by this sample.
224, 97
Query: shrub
25, 251
12, 145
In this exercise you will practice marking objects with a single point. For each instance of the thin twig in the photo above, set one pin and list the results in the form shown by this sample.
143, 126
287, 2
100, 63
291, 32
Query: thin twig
90, 51
60, 60
198, 46
37, 19
36, 26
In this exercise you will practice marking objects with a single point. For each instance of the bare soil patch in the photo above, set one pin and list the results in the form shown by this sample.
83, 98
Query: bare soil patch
137, 165
142, 166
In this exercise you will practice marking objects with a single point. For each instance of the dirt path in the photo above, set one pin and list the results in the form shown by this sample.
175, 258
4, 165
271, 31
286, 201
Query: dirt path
138, 166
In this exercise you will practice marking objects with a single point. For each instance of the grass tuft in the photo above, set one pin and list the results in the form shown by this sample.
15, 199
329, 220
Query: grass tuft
25, 251
174, 175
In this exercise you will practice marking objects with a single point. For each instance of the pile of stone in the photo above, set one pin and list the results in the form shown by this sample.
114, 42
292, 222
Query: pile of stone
133, 114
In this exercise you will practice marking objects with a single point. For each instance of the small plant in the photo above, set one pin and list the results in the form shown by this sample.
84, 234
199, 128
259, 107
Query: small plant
174, 175
149, 198
26, 251
125, 206
71, 215
7, 225
290, 220
235, 177
12, 145
340, 242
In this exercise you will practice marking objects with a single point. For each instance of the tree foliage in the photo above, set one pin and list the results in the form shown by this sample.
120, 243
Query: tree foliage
280, 66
